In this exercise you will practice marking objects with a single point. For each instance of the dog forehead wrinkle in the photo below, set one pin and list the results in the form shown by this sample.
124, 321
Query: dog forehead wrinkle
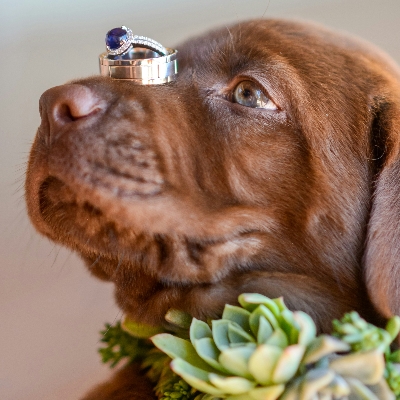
246, 53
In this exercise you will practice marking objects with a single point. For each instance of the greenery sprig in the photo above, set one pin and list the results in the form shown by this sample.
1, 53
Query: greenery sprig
261, 351
121, 345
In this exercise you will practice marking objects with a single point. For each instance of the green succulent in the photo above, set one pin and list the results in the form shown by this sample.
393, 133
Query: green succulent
392, 376
264, 351
178, 390
251, 353
363, 336
392, 372
261, 351
168, 385
351, 376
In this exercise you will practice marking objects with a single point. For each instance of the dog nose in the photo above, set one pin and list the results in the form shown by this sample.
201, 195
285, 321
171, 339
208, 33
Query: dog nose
66, 104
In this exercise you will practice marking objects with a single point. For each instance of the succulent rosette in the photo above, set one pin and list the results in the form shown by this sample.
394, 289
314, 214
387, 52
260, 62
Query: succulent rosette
264, 351
367, 371
251, 353
352, 376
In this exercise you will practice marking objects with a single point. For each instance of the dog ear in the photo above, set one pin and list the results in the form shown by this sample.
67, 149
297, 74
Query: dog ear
382, 253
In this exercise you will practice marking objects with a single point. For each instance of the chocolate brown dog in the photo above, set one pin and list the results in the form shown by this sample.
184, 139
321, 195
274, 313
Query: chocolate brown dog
270, 165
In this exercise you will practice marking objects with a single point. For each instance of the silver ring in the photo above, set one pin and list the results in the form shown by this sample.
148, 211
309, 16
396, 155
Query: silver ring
137, 58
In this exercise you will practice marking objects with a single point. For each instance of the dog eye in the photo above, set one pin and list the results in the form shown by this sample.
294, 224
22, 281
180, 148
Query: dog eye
249, 94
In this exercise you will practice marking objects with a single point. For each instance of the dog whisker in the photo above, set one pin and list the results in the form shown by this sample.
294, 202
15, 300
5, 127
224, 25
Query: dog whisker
269, 2
67, 258
95, 261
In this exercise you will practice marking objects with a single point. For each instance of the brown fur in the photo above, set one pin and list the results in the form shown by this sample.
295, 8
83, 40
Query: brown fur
185, 199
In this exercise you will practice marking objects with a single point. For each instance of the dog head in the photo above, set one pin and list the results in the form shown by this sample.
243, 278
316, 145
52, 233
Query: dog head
270, 165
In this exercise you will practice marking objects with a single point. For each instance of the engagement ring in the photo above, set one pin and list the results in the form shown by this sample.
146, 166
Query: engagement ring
137, 58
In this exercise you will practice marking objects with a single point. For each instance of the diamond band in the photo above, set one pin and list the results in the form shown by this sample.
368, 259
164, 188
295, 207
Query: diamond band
143, 41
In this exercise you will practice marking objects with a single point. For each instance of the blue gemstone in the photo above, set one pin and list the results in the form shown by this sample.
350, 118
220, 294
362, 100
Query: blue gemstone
114, 38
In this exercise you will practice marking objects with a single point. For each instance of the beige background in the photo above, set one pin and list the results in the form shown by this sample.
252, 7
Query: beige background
50, 309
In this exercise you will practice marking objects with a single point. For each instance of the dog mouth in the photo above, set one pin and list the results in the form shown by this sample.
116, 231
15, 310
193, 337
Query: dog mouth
172, 257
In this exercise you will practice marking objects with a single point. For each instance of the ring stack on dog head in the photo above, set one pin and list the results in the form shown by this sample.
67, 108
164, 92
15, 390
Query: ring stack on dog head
137, 58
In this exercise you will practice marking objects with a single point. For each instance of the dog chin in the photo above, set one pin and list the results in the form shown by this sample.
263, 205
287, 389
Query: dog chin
152, 271
107, 245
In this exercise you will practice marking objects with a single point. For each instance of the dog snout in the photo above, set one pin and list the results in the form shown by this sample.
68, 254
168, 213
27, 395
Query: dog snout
65, 105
